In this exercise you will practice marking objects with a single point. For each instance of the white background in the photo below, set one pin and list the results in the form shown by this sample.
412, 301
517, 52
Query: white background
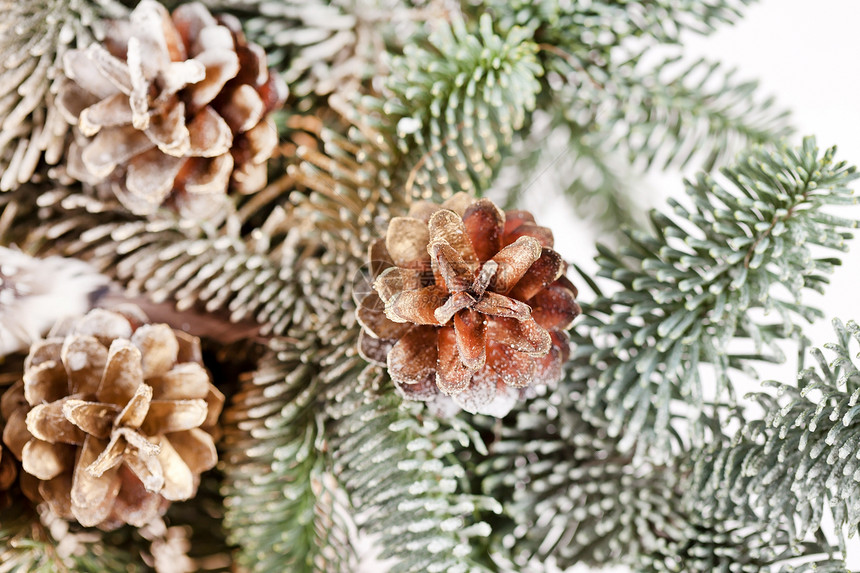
807, 54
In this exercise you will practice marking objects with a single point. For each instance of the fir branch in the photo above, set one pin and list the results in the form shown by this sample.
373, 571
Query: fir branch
445, 116
586, 35
227, 277
282, 508
665, 20
687, 288
800, 458
673, 112
393, 464
576, 497
456, 103
349, 178
590, 32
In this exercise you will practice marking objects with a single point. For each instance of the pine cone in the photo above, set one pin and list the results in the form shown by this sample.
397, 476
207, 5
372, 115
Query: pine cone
470, 302
171, 109
113, 419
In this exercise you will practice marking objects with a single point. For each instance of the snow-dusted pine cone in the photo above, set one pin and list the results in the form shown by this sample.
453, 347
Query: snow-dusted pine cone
469, 301
171, 109
113, 420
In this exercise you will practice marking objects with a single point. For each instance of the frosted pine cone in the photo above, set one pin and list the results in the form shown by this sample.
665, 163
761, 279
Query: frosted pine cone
470, 302
113, 419
171, 109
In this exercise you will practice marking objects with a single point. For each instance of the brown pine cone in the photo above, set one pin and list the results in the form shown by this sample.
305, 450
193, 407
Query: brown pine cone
470, 302
171, 109
113, 419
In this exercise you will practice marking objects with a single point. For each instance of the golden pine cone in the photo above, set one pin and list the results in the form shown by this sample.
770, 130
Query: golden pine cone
171, 109
113, 420
469, 301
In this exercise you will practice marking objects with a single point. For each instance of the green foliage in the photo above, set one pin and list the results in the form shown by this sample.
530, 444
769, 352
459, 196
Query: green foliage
457, 101
575, 497
283, 509
395, 466
673, 112
688, 287
615, 114
801, 458
603, 24
198, 268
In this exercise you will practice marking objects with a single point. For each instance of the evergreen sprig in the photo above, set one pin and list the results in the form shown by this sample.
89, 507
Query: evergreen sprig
395, 466
457, 101
283, 507
598, 27
194, 267
801, 458
687, 287
580, 160
674, 111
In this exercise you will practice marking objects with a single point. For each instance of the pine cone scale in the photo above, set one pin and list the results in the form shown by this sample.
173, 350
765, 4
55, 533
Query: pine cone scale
456, 274
416, 306
545, 270
406, 243
484, 223
371, 316
137, 408
555, 308
514, 261
112, 147
15, 434
112, 111
169, 416
210, 135
178, 480
470, 328
43, 383
84, 358
159, 348
452, 375
92, 418
184, 380
92, 497
46, 460
196, 448
48, 422
414, 356
448, 226
123, 374
458, 301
